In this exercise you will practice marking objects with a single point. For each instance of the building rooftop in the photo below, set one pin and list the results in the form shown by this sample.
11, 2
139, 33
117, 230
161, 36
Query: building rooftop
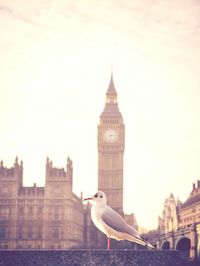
194, 196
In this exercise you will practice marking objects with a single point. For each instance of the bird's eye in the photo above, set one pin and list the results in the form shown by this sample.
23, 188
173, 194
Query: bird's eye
95, 195
101, 196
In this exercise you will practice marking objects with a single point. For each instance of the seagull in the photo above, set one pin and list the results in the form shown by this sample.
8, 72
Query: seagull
111, 223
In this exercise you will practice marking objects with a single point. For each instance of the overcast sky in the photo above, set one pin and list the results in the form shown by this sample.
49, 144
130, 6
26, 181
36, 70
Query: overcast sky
55, 67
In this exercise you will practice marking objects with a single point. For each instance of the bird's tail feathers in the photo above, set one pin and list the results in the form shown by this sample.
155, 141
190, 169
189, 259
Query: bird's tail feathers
143, 242
149, 245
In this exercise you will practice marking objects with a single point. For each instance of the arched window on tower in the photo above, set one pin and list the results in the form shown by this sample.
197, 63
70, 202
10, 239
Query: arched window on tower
111, 99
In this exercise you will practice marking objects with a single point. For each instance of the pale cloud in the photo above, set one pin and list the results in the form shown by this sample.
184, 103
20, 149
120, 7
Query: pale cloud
16, 14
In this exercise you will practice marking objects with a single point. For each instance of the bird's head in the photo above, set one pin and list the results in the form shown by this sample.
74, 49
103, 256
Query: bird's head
98, 198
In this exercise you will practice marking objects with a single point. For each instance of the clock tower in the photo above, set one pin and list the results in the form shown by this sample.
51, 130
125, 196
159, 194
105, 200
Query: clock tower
111, 142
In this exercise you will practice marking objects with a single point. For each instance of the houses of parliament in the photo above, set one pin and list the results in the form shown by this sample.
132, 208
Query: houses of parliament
53, 217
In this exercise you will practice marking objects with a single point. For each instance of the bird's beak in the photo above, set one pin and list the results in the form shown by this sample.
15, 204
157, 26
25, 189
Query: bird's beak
88, 199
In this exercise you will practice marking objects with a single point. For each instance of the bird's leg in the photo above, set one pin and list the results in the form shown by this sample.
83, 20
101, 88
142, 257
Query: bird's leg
108, 243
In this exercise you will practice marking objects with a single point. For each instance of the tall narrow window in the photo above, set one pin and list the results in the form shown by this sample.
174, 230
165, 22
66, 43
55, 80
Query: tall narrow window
2, 232
4, 212
56, 233
56, 213
30, 232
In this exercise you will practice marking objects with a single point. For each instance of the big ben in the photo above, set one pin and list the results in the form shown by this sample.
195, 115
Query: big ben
111, 143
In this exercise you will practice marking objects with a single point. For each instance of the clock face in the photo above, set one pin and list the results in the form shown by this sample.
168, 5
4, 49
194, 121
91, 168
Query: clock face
110, 135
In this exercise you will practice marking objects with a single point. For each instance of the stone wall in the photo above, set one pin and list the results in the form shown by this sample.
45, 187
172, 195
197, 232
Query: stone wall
89, 257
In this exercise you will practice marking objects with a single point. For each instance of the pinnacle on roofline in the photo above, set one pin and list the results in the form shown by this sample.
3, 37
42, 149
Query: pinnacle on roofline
111, 88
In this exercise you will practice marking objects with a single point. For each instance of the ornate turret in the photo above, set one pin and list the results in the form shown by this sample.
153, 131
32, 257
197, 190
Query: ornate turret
111, 109
54, 172
111, 93
16, 161
59, 180
14, 174
169, 220
69, 168
194, 196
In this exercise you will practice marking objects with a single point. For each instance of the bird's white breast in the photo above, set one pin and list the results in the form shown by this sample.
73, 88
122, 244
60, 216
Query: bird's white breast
96, 213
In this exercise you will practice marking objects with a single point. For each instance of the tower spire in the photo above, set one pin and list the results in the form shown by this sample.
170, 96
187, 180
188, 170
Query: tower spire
111, 70
111, 106
111, 93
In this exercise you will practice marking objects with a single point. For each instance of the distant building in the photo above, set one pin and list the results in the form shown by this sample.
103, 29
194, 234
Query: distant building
49, 217
190, 210
131, 220
169, 220
177, 215
179, 226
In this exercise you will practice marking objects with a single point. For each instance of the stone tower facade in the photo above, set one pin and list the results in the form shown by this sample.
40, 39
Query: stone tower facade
10, 184
49, 217
169, 220
111, 143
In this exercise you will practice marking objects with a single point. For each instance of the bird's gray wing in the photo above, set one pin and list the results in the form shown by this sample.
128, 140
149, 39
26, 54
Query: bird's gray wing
115, 221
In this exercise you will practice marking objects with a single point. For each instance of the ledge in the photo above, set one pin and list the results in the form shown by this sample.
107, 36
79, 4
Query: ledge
89, 257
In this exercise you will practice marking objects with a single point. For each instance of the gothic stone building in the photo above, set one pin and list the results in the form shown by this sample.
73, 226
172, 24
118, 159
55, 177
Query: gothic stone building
179, 226
169, 220
177, 215
39, 217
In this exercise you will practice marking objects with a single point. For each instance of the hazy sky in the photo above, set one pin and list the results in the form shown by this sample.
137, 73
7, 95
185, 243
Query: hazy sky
55, 67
